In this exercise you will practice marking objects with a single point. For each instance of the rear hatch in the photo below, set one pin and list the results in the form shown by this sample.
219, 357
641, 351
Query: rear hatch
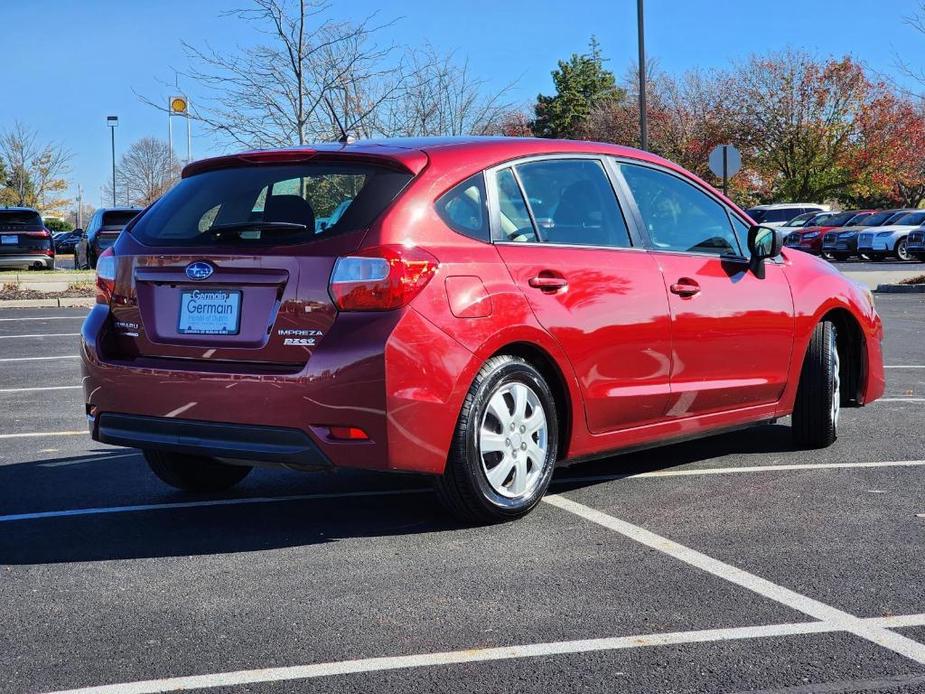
23, 233
113, 223
232, 266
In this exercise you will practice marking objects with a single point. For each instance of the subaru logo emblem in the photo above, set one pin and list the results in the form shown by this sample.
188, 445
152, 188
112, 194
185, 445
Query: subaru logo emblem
199, 271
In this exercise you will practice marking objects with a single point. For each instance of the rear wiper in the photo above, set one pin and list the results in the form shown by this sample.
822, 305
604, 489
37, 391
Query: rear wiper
220, 229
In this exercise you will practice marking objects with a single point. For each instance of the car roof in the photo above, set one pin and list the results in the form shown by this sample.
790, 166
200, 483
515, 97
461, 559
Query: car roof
785, 205
119, 209
18, 209
413, 154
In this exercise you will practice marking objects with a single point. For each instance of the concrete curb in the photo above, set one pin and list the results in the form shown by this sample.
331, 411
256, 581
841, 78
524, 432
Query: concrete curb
76, 302
900, 289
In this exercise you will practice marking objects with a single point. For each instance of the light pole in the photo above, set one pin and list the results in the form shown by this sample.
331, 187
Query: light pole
643, 124
113, 123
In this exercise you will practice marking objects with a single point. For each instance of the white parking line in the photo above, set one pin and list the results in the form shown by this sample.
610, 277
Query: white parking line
469, 655
32, 390
5, 320
36, 434
761, 586
95, 459
10, 337
243, 501
66, 356
905, 366
347, 495
900, 400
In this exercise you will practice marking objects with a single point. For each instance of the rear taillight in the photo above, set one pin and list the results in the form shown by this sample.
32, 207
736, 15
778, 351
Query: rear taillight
105, 277
381, 278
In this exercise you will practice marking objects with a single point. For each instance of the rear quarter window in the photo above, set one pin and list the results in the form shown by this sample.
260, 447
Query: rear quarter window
465, 210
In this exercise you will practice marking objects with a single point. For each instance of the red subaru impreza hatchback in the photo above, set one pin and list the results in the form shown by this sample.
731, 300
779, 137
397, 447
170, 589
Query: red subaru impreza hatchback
477, 309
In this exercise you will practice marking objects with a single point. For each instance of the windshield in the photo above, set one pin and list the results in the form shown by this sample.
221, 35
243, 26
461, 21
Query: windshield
24, 219
839, 220
911, 219
803, 219
878, 218
862, 219
270, 204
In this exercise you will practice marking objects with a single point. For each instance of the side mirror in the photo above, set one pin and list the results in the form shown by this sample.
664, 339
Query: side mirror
763, 243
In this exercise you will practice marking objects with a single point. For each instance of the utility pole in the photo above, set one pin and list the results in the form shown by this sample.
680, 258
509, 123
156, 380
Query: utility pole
80, 206
643, 123
113, 123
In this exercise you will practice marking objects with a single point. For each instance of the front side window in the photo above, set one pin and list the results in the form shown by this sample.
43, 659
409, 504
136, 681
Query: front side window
573, 203
464, 208
678, 216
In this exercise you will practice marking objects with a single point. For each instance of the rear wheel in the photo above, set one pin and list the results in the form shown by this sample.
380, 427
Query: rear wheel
505, 445
818, 403
194, 473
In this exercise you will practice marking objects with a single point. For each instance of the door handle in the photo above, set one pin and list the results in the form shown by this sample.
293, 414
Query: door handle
548, 284
685, 287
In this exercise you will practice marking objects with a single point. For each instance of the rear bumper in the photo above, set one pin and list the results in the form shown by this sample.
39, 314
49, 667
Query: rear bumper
27, 260
234, 441
394, 375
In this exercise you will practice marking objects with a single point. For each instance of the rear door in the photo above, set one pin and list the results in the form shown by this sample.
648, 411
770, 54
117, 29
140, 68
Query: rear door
22, 234
731, 333
230, 266
560, 229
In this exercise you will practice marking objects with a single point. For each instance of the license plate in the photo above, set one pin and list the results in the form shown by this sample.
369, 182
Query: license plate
9, 240
209, 312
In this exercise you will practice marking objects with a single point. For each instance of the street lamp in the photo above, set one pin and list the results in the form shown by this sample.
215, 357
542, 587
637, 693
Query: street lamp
643, 125
113, 123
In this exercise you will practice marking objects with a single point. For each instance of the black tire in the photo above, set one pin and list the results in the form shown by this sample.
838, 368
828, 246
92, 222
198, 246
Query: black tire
464, 488
900, 251
840, 257
920, 257
194, 473
818, 403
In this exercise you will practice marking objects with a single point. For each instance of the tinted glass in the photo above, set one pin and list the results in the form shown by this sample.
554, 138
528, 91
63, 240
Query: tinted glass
678, 216
859, 219
514, 222
755, 214
220, 206
464, 209
877, 218
573, 203
116, 219
782, 215
25, 219
911, 219
800, 220
741, 231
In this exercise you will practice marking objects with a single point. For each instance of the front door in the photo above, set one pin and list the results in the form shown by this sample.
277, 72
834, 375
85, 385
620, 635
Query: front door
732, 333
560, 230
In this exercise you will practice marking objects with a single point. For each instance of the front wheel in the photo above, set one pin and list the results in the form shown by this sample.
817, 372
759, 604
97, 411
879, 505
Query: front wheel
900, 251
194, 473
505, 446
818, 403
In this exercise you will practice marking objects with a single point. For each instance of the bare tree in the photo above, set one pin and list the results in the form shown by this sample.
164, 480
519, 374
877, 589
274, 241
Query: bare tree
36, 170
318, 78
145, 172
442, 97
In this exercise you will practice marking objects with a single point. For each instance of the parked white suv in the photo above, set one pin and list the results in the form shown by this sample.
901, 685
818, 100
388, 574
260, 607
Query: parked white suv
781, 213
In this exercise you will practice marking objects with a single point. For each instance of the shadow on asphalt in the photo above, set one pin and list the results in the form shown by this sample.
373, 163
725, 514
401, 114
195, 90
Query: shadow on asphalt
253, 527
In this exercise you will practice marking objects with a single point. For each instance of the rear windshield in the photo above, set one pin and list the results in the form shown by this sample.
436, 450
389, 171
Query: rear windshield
116, 219
21, 219
270, 204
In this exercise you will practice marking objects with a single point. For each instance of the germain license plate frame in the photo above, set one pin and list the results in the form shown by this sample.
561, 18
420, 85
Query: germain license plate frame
204, 311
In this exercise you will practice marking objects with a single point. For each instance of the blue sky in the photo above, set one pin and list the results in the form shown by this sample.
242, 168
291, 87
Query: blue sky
70, 64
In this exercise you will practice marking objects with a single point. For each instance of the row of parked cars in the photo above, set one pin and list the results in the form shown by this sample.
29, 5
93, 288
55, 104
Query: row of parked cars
26, 243
866, 234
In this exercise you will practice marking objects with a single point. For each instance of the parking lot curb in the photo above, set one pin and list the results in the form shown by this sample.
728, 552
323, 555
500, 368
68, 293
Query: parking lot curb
74, 302
900, 289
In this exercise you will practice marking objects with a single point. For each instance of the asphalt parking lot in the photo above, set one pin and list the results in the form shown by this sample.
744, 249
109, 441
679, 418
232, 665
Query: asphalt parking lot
732, 564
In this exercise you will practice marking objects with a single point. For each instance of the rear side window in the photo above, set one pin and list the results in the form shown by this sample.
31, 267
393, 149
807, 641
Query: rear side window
573, 203
514, 222
678, 216
781, 215
465, 210
270, 204
20, 219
